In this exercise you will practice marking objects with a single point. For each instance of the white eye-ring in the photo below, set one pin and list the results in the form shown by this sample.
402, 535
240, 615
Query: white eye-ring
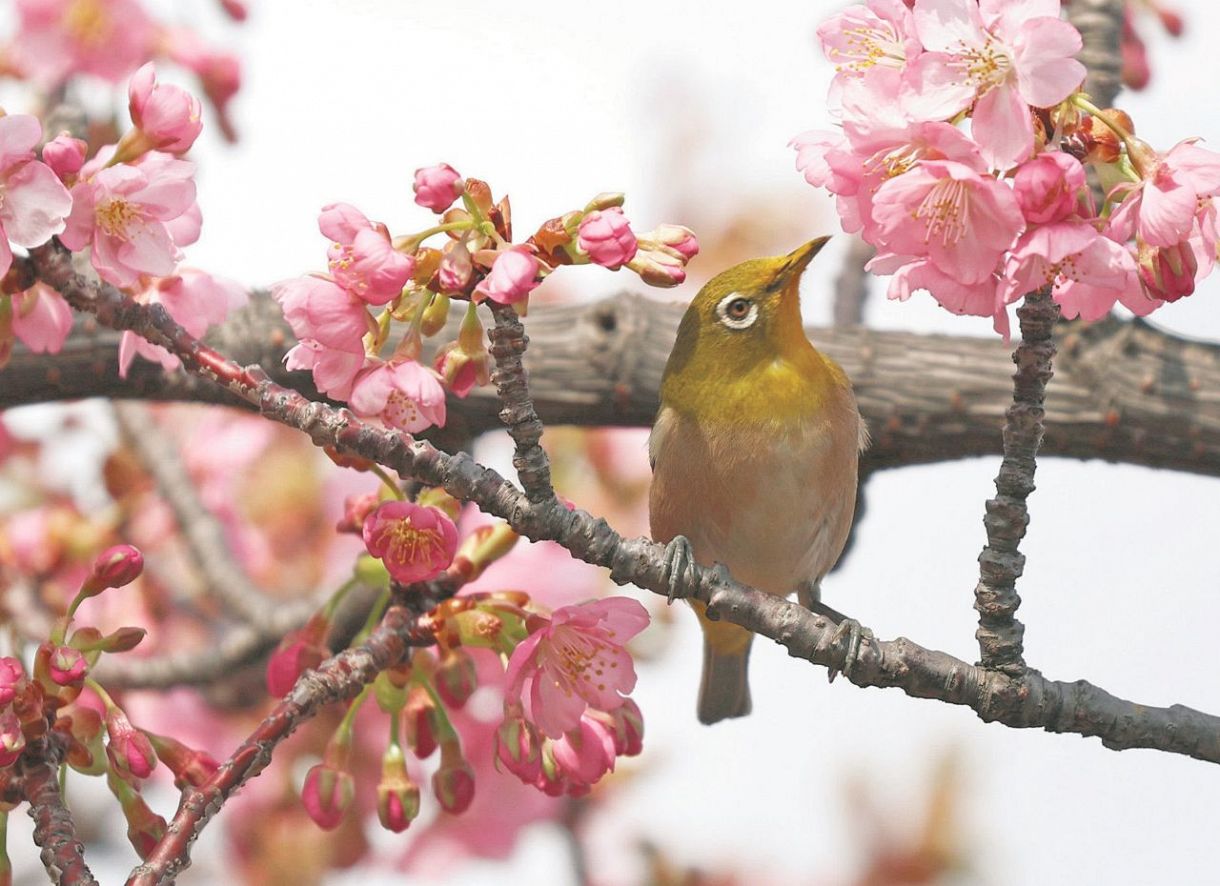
736, 311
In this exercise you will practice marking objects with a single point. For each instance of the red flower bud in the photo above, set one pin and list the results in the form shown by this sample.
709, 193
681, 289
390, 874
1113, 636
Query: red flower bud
327, 795
67, 666
12, 673
129, 750
456, 678
190, 767
113, 568
397, 795
299, 651
453, 783
420, 720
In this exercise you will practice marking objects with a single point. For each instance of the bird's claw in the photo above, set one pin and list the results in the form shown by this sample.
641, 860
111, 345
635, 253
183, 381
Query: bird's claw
679, 557
855, 633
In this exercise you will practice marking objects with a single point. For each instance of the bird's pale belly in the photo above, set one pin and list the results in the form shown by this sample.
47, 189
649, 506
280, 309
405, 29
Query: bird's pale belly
775, 507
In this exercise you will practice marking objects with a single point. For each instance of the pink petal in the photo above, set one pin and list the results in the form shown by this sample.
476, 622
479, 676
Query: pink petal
35, 204
19, 135
937, 89
1002, 127
1198, 166
44, 319
371, 390
1043, 51
1005, 17
948, 25
1167, 211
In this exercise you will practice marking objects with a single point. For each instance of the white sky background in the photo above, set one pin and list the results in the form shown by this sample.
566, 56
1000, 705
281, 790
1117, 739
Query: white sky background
553, 102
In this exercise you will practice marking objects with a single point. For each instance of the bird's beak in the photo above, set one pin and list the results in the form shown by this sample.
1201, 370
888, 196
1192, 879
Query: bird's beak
795, 262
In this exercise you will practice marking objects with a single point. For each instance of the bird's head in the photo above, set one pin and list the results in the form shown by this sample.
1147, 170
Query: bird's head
743, 321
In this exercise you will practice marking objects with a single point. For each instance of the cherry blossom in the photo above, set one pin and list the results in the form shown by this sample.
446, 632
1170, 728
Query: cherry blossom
415, 543
402, 393
606, 236
167, 117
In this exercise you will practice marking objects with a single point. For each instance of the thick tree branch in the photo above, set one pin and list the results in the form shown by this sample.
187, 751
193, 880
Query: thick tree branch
1028, 700
1100, 23
54, 831
1124, 392
1001, 563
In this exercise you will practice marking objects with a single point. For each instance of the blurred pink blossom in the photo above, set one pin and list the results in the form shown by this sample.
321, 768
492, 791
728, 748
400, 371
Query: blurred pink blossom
195, 299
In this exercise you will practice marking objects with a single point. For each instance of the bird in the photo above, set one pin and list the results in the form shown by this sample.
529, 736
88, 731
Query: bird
755, 453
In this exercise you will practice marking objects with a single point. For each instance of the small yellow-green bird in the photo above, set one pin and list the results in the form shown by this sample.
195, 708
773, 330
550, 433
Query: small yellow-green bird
754, 454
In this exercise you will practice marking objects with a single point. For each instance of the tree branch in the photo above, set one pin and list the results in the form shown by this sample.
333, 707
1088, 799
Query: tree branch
1125, 391
995, 597
1028, 700
54, 831
1100, 23
508, 342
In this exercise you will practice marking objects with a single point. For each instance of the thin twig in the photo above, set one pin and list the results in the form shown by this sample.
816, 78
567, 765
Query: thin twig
1001, 562
508, 342
62, 853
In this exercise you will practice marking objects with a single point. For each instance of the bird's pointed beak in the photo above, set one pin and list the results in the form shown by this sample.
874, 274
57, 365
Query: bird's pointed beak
795, 262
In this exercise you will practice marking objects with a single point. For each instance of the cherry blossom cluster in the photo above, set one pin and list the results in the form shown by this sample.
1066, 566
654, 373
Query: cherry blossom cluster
57, 694
979, 217
564, 675
132, 205
57, 41
360, 325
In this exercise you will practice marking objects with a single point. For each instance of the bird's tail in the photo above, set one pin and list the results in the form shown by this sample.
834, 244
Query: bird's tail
724, 691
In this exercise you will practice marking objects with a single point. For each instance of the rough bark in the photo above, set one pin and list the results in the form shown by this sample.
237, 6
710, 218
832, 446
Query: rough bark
1124, 391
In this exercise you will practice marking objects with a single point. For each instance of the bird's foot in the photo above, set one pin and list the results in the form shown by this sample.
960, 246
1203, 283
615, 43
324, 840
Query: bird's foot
679, 558
855, 633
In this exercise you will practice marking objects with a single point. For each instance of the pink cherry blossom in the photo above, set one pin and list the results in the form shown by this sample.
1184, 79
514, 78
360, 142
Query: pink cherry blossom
980, 299
961, 221
168, 117
41, 319
606, 236
1048, 188
12, 673
861, 38
575, 661
114, 567
1000, 55
124, 212
416, 543
65, 155
436, 187
195, 299
1087, 271
33, 201
402, 393
361, 258
584, 754
1161, 208
333, 371
320, 310
106, 38
513, 276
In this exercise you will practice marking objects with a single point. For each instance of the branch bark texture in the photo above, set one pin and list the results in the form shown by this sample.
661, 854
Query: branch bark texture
54, 831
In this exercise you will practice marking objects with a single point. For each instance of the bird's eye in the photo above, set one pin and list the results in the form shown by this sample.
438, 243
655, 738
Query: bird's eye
736, 311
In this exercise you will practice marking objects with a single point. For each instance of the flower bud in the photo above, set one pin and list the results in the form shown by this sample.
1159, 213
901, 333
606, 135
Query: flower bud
436, 315
421, 721
12, 674
513, 276
478, 628
66, 666
397, 795
1168, 272
190, 767
456, 677
1048, 187
678, 238
606, 200
113, 568
356, 509
327, 795
129, 750
65, 155
518, 747
658, 268
436, 187
453, 783
484, 546
12, 739
145, 829
607, 237
168, 117
299, 651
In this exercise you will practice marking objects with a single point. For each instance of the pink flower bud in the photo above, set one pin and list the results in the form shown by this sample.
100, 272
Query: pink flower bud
12, 673
145, 829
1168, 272
169, 117
190, 767
456, 267
113, 568
657, 268
235, 9
628, 725
67, 666
1048, 187
436, 187
414, 542
296, 653
453, 783
397, 795
327, 795
518, 748
586, 753
679, 238
129, 750
513, 276
421, 722
12, 739
356, 509
606, 235
65, 155
456, 677
484, 546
